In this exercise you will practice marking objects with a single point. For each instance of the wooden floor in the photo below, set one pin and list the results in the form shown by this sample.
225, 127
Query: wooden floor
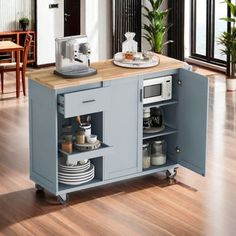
191, 205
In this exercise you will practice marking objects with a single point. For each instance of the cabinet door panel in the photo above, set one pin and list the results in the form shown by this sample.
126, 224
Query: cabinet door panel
192, 116
122, 128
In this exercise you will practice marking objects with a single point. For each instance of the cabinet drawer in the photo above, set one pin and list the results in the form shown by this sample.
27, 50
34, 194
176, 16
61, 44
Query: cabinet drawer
84, 102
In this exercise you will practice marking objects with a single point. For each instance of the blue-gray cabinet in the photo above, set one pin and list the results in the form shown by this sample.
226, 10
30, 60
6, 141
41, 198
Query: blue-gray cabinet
124, 129
116, 110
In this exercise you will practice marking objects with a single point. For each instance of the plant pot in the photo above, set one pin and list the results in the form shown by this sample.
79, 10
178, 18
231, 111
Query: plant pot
231, 84
24, 26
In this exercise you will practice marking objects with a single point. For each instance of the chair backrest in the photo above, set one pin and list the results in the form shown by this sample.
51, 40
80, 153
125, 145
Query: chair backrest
28, 39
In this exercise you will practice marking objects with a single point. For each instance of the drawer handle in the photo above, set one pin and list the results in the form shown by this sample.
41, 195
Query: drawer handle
88, 101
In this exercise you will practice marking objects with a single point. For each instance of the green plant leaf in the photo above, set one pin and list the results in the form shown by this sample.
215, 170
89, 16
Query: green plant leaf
228, 19
232, 7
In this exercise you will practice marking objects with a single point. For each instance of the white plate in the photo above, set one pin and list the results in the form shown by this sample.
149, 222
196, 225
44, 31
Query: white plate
77, 174
74, 169
71, 179
77, 167
77, 182
138, 64
75, 178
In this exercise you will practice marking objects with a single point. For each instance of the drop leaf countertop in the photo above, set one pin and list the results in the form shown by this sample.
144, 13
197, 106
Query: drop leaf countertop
106, 70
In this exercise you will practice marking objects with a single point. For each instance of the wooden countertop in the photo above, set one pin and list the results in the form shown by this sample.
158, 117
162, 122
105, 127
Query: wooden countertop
106, 71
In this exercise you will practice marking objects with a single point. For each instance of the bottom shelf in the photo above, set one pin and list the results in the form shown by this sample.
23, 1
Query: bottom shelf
168, 165
97, 181
71, 188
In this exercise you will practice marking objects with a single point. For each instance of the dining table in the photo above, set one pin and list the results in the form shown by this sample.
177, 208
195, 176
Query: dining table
9, 46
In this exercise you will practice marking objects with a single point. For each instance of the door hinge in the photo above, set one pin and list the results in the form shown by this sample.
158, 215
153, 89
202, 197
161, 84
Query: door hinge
180, 82
177, 149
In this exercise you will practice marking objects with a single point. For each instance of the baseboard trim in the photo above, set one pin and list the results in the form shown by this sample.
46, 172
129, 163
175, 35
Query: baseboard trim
205, 64
45, 65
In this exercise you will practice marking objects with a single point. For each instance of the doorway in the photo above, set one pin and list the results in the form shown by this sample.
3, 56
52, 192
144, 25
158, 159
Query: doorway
71, 17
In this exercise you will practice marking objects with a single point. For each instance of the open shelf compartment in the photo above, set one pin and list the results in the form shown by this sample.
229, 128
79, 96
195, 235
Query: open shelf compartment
96, 181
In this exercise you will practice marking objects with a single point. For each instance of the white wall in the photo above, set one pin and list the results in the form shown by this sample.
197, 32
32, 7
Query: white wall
12, 10
96, 24
50, 25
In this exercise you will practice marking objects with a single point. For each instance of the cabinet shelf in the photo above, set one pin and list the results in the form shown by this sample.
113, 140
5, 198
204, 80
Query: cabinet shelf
168, 130
77, 155
164, 103
64, 188
153, 169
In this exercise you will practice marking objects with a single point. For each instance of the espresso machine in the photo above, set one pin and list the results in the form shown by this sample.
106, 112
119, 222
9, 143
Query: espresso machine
73, 57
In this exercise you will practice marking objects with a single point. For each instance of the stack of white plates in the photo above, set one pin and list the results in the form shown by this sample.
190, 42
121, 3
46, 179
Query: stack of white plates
75, 175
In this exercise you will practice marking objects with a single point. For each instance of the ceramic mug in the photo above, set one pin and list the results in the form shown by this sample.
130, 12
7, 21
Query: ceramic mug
87, 128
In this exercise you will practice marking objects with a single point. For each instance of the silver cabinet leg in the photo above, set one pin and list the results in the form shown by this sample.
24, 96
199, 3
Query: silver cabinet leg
171, 173
63, 198
39, 188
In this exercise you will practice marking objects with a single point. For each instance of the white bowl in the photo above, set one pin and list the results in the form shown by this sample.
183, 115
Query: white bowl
91, 138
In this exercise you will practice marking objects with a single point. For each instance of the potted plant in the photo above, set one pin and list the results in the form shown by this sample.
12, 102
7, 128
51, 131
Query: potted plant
228, 40
156, 26
24, 22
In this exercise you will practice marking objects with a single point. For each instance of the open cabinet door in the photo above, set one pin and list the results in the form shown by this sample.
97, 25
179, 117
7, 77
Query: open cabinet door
192, 116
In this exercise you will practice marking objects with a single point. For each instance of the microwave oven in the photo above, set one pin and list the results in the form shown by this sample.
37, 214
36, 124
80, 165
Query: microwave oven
157, 89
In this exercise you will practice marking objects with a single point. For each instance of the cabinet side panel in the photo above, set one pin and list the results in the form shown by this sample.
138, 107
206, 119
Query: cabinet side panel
43, 136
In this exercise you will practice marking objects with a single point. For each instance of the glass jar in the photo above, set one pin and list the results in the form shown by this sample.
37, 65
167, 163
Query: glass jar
159, 152
67, 146
67, 128
157, 116
147, 120
80, 137
129, 46
146, 156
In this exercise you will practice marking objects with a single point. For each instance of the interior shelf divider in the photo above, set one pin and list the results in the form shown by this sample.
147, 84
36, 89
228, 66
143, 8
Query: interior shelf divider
78, 156
158, 104
168, 130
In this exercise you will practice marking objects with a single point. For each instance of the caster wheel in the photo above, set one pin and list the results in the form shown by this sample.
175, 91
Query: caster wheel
170, 174
39, 188
63, 199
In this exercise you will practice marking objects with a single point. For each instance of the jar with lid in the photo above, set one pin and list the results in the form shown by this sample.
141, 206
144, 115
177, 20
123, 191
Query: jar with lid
146, 156
66, 138
158, 152
129, 46
67, 128
80, 136
157, 116
67, 146
147, 120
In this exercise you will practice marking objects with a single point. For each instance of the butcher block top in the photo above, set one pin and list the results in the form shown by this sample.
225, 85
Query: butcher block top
106, 70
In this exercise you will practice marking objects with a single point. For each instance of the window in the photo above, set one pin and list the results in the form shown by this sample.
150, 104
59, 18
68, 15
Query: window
206, 27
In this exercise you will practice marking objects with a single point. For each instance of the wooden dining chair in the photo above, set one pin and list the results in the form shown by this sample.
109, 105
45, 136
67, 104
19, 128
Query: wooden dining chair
7, 67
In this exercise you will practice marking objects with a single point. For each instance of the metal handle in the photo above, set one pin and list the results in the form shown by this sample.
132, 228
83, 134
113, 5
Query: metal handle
141, 95
88, 101
66, 14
